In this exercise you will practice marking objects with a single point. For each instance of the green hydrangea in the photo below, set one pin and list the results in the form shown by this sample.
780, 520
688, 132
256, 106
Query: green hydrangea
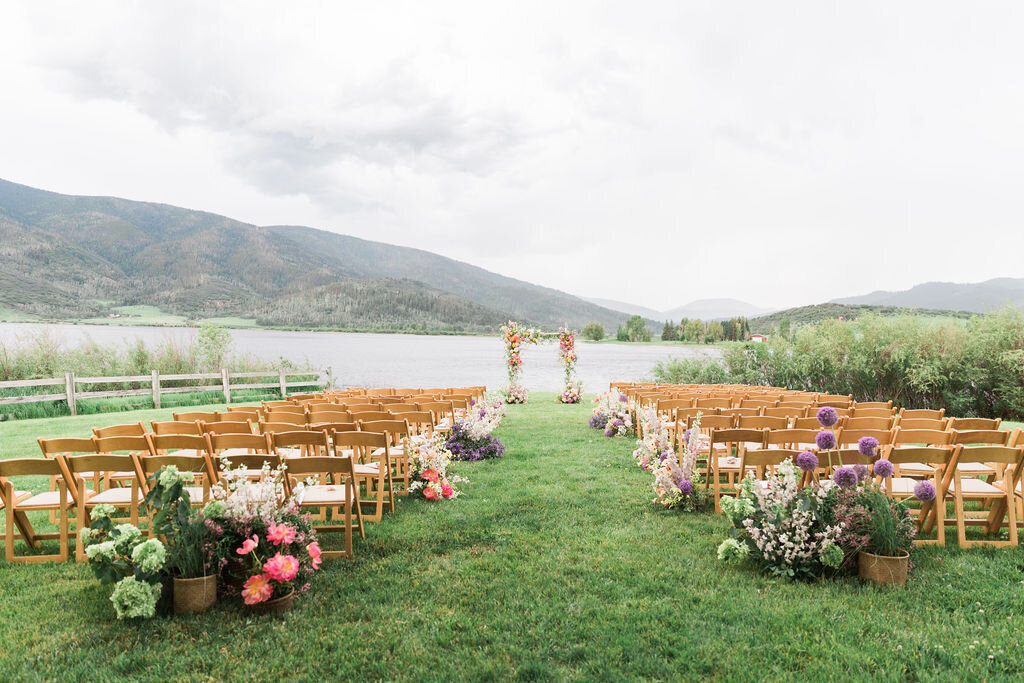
101, 511
731, 551
150, 555
832, 555
737, 508
85, 535
101, 552
169, 476
133, 598
214, 508
126, 536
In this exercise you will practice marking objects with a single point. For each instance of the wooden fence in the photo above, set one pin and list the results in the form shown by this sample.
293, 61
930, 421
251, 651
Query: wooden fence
71, 393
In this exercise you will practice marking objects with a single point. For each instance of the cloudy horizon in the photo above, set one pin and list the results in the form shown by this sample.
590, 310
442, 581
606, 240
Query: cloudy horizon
782, 154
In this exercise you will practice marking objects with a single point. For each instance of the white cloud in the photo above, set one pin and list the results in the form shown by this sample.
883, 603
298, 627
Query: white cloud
781, 153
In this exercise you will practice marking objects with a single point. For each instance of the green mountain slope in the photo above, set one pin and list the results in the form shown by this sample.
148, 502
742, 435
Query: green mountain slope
979, 297
69, 257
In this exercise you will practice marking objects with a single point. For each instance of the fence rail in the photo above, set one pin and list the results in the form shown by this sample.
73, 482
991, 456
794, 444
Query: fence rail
72, 394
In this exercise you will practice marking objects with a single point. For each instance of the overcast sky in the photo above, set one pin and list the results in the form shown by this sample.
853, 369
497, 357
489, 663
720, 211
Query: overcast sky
781, 153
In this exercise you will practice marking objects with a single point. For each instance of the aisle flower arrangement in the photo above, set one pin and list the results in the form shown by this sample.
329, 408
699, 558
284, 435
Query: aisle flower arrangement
656, 444
612, 414
471, 437
573, 391
264, 540
515, 335
428, 467
678, 485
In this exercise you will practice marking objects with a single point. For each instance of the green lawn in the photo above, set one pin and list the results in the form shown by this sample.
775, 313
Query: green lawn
553, 565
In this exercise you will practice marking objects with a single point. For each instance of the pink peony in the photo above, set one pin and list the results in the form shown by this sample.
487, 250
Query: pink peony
447, 491
281, 533
430, 475
248, 545
257, 589
429, 493
281, 567
314, 551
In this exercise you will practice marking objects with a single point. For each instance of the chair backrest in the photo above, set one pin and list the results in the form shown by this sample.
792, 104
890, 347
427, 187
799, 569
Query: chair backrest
859, 412
885, 405
778, 437
713, 403
226, 427
857, 422
440, 409
216, 443
762, 459
936, 457
809, 422
267, 405
102, 463
163, 443
763, 422
922, 423
17, 467
667, 405
274, 427
362, 407
847, 436
964, 423
922, 413
399, 408
291, 417
322, 464
738, 436
709, 422
758, 403
419, 422
361, 444
185, 463
194, 417
333, 427
240, 413
927, 437
395, 429
992, 454
51, 448
317, 438
173, 427
990, 437
741, 412
131, 444
789, 412
131, 429
330, 416
368, 416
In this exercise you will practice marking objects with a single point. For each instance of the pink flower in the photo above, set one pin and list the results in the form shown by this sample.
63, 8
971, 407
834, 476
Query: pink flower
447, 491
281, 567
281, 533
314, 551
257, 589
430, 475
429, 493
248, 545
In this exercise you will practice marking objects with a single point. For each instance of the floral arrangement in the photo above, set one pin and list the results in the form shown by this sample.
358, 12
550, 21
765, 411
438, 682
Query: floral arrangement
118, 554
515, 335
656, 443
262, 536
428, 467
471, 437
612, 413
679, 485
573, 391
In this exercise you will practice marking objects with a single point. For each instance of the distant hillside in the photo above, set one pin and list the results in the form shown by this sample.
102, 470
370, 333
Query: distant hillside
716, 309
69, 257
627, 308
807, 315
980, 297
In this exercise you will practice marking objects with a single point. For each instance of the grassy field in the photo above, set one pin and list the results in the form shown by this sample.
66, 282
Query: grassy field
553, 565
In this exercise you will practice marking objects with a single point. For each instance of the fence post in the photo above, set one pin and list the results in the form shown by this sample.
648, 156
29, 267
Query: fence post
284, 389
156, 389
69, 389
225, 380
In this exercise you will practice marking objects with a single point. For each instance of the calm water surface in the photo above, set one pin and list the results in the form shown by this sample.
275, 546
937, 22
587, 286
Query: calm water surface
397, 359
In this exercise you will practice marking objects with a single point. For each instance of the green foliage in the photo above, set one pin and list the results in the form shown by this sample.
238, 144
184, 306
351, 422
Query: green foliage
212, 346
669, 332
621, 334
715, 332
594, 331
810, 315
636, 330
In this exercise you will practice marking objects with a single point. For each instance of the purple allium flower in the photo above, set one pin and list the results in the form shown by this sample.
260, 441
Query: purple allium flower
623, 398
828, 416
686, 487
862, 471
609, 432
807, 461
617, 423
826, 440
483, 412
845, 477
867, 445
884, 468
924, 491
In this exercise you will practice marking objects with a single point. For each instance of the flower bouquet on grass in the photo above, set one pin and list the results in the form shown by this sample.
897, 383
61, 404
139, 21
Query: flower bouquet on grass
471, 437
428, 467
573, 391
678, 485
516, 393
612, 414
265, 543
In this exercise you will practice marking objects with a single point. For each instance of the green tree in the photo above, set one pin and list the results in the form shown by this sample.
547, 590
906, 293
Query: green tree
694, 331
636, 330
785, 329
621, 334
669, 332
594, 331
212, 344
716, 332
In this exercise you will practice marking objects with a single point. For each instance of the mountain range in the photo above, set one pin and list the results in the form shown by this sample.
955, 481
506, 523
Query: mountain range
702, 309
979, 297
75, 257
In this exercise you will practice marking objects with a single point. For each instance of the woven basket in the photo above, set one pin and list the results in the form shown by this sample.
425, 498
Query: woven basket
883, 569
195, 595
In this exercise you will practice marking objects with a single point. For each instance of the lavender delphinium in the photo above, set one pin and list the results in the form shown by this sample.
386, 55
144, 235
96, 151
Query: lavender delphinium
464, 447
599, 421
867, 445
845, 477
828, 416
884, 468
807, 461
609, 432
826, 440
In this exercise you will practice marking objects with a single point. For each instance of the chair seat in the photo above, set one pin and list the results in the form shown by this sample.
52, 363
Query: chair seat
228, 452
195, 493
395, 450
18, 497
113, 496
319, 494
729, 464
903, 486
42, 501
977, 487
974, 468
916, 468
372, 468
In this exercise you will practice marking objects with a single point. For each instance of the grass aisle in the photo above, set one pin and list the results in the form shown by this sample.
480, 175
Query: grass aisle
554, 564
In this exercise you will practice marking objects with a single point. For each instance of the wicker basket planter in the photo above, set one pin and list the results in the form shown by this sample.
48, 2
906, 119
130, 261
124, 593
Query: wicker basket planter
192, 596
887, 570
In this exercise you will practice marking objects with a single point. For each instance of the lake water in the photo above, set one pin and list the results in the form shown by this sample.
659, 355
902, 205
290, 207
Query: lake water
398, 359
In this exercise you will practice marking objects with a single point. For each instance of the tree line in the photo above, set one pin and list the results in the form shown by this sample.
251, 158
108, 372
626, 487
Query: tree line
686, 330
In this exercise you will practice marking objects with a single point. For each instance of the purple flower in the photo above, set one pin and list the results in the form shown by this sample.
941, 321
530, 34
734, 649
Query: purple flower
924, 491
686, 487
828, 416
609, 432
807, 461
623, 398
617, 423
483, 412
826, 440
686, 436
845, 477
862, 471
661, 458
884, 468
867, 445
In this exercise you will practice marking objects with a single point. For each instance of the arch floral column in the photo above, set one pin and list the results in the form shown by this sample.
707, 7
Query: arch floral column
515, 336
573, 391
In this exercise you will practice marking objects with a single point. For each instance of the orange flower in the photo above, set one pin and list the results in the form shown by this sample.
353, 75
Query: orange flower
257, 589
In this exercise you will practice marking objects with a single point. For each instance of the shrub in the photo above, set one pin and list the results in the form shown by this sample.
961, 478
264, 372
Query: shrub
593, 331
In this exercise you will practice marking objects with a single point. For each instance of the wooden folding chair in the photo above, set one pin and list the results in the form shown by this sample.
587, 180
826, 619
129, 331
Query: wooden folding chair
332, 494
199, 465
968, 488
18, 503
971, 423
937, 460
182, 445
296, 444
420, 422
131, 429
108, 467
443, 412
765, 460
172, 427
722, 460
763, 422
292, 417
881, 423
373, 472
56, 449
792, 439
397, 431
922, 413
226, 427
197, 417
230, 445
922, 423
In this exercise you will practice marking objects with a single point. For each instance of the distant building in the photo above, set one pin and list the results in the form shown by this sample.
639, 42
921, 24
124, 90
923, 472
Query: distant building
759, 338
